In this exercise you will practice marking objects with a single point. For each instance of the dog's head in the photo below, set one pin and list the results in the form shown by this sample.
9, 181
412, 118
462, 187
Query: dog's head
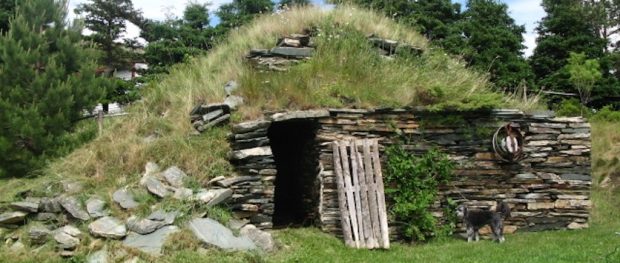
461, 211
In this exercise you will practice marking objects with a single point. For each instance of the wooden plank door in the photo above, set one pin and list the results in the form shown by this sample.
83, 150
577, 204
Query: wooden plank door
361, 193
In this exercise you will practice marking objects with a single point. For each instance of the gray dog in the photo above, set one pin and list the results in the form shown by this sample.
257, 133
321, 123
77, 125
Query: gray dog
475, 219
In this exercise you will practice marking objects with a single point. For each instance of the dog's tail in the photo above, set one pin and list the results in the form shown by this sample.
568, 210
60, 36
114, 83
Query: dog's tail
503, 209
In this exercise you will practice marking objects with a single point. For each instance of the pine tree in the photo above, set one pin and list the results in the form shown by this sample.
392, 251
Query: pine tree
172, 41
494, 43
7, 9
566, 28
46, 81
107, 19
291, 3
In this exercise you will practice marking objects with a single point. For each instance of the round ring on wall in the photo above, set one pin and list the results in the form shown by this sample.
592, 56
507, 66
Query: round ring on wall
508, 143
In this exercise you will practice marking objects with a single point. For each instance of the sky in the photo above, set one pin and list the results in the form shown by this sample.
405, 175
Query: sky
525, 12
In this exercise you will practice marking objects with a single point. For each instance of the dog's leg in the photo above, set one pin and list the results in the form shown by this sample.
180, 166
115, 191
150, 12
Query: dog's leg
498, 231
470, 233
477, 235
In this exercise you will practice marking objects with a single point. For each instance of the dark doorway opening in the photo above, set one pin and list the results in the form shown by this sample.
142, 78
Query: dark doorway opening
295, 152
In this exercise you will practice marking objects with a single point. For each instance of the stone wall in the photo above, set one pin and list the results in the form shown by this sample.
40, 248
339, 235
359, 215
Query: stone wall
548, 189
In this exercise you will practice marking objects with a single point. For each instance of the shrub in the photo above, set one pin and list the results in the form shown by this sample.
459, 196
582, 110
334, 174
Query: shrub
606, 114
412, 185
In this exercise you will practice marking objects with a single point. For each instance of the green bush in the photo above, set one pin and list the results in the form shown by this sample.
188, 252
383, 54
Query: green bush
606, 114
412, 185
570, 108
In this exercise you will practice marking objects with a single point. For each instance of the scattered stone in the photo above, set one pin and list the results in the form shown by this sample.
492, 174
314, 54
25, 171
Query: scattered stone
95, 207
576, 226
215, 234
214, 197
167, 218
233, 101
156, 187
175, 176
156, 220
262, 239
151, 243
151, 168
230, 87
108, 227
237, 224
72, 187
50, 205
100, 256
38, 235
216, 179
46, 217
125, 199
182, 193
30, 207
74, 207
16, 217
17, 247
67, 237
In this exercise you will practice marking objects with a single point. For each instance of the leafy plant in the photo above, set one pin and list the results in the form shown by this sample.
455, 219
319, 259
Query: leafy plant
412, 186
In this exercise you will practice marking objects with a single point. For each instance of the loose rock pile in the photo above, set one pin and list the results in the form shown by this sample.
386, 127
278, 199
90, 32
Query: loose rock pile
289, 51
389, 48
147, 234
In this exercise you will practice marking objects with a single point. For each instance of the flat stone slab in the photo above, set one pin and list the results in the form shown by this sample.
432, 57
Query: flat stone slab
250, 126
156, 220
292, 52
156, 187
125, 199
174, 176
38, 234
30, 207
235, 180
108, 227
182, 193
214, 197
49, 205
74, 207
100, 256
12, 217
95, 207
252, 152
215, 234
67, 237
262, 239
293, 115
151, 243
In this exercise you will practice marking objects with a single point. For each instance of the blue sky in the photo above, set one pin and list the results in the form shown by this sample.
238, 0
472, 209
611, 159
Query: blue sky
525, 12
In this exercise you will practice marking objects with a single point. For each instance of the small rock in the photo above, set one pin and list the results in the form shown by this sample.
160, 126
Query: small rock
95, 207
142, 226
576, 226
213, 233
260, 238
30, 207
151, 168
175, 176
230, 87
151, 243
237, 224
156, 187
167, 218
233, 101
50, 205
100, 256
74, 207
124, 198
108, 227
67, 237
214, 180
214, 197
72, 187
182, 193
38, 235
46, 217
67, 253
17, 247
12, 217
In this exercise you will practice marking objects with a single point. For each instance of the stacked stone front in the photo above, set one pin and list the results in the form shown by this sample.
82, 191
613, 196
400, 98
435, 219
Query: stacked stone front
548, 189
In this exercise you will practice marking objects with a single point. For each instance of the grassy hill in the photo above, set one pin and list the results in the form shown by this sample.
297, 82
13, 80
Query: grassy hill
345, 71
